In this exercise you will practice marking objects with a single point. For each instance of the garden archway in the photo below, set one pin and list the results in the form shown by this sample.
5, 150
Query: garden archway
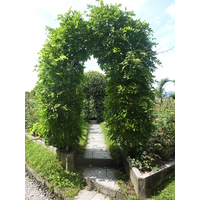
122, 46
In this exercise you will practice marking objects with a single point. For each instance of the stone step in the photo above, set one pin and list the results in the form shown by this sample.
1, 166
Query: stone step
101, 162
103, 180
91, 195
94, 121
92, 152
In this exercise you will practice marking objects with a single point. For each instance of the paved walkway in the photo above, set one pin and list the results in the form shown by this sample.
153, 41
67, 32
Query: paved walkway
96, 146
91, 195
100, 178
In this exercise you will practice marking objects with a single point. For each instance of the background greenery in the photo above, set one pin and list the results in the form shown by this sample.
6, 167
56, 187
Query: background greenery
95, 91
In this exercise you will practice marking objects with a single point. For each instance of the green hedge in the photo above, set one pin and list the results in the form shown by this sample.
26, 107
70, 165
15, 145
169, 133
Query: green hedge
95, 90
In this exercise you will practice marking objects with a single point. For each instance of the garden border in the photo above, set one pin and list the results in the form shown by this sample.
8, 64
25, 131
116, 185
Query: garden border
144, 184
43, 182
67, 158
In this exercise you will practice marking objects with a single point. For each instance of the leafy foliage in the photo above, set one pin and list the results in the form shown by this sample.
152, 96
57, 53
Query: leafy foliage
164, 134
30, 111
59, 93
123, 47
83, 140
95, 89
161, 145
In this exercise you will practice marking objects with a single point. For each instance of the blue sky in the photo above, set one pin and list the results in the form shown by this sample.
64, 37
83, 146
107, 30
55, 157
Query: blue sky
159, 14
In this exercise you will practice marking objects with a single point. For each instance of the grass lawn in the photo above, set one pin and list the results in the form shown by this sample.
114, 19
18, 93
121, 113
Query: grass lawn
115, 152
46, 164
83, 140
165, 190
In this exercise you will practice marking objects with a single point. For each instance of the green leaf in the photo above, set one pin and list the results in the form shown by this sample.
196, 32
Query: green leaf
64, 108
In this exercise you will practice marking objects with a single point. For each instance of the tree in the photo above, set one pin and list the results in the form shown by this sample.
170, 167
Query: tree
95, 90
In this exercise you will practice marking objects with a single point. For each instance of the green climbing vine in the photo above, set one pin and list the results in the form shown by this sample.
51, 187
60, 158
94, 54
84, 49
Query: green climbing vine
123, 47
125, 53
59, 94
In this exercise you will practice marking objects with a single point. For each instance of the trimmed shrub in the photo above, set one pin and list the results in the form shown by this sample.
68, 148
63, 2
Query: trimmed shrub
94, 89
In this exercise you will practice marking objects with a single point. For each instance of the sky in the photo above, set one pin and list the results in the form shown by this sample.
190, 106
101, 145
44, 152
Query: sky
40, 13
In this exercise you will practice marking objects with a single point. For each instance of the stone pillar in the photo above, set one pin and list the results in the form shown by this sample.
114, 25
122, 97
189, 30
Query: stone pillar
67, 158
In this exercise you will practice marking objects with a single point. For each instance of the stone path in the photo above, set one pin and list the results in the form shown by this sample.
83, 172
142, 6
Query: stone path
96, 147
97, 172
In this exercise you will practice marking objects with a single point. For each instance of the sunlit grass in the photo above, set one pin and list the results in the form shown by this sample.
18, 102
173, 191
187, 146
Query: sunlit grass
46, 164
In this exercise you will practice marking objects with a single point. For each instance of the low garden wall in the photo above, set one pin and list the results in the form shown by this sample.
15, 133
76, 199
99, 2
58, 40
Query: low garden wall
144, 184
67, 158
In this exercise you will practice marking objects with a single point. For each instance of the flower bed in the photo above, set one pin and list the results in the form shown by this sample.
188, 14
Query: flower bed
161, 145
144, 184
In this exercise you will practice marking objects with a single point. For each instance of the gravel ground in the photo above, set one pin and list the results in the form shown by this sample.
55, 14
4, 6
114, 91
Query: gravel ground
34, 191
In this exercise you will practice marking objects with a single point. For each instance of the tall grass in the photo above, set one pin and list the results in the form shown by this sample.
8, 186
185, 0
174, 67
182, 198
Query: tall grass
115, 152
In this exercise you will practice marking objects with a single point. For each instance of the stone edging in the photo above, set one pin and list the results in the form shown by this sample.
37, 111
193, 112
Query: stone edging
43, 182
67, 158
109, 191
144, 184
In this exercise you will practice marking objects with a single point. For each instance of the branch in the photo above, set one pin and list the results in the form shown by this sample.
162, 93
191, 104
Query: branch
165, 50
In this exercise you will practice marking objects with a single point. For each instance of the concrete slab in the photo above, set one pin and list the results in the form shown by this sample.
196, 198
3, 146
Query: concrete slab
85, 194
101, 154
100, 196
102, 176
88, 153
95, 162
